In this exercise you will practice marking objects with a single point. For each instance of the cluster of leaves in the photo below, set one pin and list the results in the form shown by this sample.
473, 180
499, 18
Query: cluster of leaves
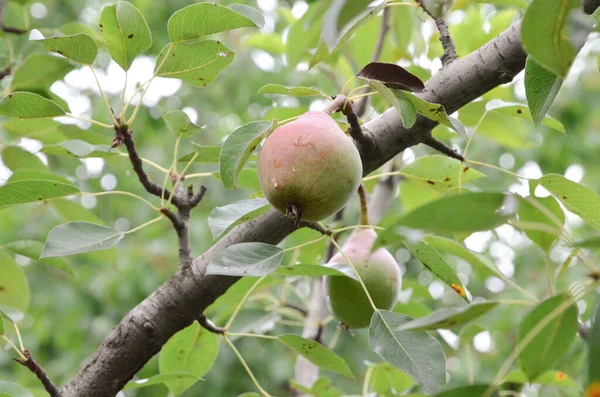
433, 195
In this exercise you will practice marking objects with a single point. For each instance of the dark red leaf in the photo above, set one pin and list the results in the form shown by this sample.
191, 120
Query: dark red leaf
392, 76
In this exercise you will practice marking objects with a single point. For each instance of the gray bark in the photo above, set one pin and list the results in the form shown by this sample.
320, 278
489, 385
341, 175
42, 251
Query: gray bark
181, 299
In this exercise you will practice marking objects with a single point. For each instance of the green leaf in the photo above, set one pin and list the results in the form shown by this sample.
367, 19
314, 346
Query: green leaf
541, 87
269, 42
449, 317
544, 34
433, 111
304, 33
206, 154
69, 210
578, 199
33, 249
467, 212
388, 381
12, 389
223, 219
552, 341
195, 63
27, 105
126, 33
414, 352
317, 354
292, 91
321, 388
329, 269
246, 259
200, 20
16, 158
192, 350
468, 391
556, 378
439, 172
179, 123
528, 212
78, 238
160, 379
30, 76
592, 243
594, 354
30, 191
25, 174
522, 112
79, 148
405, 108
73, 27
79, 47
14, 288
437, 265
238, 147
1, 324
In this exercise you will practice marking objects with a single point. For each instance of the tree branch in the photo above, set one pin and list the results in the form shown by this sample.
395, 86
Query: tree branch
447, 43
176, 303
38, 371
590, 6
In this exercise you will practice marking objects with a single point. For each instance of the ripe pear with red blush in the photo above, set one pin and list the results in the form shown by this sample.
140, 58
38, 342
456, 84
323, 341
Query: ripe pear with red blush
309, 167
378, 270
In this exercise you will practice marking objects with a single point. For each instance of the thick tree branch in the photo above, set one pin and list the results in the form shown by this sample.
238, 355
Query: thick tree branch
176, 303
38, 371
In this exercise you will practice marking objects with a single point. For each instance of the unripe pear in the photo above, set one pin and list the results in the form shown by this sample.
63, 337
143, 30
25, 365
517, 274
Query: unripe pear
309, 167
378, 270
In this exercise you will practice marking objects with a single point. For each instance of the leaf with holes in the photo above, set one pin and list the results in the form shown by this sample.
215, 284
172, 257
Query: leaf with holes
78, 238
392, 76
576, 198
291, 91
317, 354
405, 108
126, 32
160, 379
30, 191
223, 219
544, 34
206, 154
246, 259
414, 352
79, 48
541, 87
437, 265
238, 147
450, 317
199, 20
529, 212
27, 105
552, 341
439, 172
195, 63
192, 350
179, 123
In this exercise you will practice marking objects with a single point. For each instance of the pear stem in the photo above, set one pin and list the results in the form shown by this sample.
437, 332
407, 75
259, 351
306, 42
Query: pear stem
336, 105
363, 218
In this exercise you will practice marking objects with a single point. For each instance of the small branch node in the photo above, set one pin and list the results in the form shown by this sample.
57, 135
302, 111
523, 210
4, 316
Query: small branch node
197, 198
38, 371
442, 148
210, 326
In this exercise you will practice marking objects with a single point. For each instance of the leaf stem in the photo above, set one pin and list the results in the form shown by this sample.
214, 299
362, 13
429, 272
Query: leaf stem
144, 225
282, 122
365, 388
69, 115
19, 336
122, 193
14, 347
352, 98
241, 303
110, 112
343, 229
335, 338
469, 354
199, 175
122, 114
304, 244
246, 367
498, 169
149, 162
347, 83
251, 335
548, 263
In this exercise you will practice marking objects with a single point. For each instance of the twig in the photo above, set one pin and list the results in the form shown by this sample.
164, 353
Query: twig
364, 141
123, 134
317, 226
209, 325
297, 308
385, 28
447, 42
584, 331
37, 369
590, 6
442, 148
196, 198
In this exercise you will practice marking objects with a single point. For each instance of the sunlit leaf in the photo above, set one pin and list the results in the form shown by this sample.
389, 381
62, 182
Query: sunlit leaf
246, 259
126, 32
317, 354
437, 265
14, 287
388, 381
27, 105
469, 391
206, 154
413, 352
179, 123
12, 389
530, 213
223, 219
30, 76
594, 354
405, 108
552, 341
29, 191
192, 350
79, 47
238, 147
78, 238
